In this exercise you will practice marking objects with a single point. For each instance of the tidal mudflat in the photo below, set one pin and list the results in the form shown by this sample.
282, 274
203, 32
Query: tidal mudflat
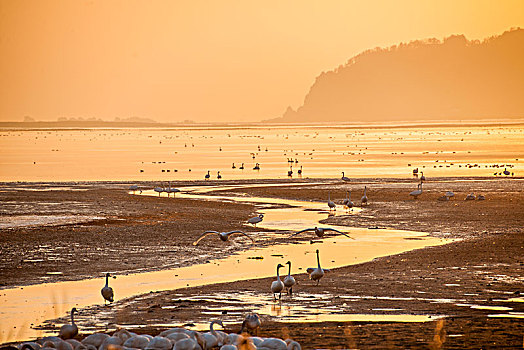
457, 291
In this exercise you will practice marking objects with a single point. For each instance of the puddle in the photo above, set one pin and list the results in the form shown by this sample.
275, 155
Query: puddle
509, 315
52, 300
15, 221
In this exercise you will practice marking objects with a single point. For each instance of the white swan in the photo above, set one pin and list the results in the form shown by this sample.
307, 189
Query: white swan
344, 177
417, 192
349, 204
364, 199
470, 197
95, 339
272, 344
69, 331
213, 339
251, 324
256, 219
159, 190
450, 194
224, 236
289, 281
277, 286
316, 273
107, 292
320, 231
292, 345
330, 203
422, 178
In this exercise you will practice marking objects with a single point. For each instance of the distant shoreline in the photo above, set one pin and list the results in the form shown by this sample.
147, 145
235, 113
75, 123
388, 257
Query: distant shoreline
78, 125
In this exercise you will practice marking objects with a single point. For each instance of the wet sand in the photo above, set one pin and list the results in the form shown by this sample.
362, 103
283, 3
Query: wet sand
461, 280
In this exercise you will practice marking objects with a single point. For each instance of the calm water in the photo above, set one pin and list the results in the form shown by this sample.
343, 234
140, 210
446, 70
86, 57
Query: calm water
50, 300
188, 153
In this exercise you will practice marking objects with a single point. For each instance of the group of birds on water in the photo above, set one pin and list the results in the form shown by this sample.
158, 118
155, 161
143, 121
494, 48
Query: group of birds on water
278, 286
176, 338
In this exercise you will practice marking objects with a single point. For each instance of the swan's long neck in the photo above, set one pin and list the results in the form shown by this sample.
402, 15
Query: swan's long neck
107, 280
318, 260
349, 196
329, 196
72, 318
211, 328
289, 271
365, 190
278, 274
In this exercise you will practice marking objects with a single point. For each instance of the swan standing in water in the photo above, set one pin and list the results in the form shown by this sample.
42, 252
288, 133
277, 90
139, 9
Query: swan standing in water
317, 273
69, 331
319, 231
224, 236
417, 192
107, 292
422, 178
218, 175
159, 190
349, 203
364, 199
208, 176
277, 286
300, 170
330, 203
344, 177
256, 219
289, 281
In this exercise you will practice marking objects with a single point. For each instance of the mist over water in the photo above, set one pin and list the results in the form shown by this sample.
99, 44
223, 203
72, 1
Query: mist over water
322, 151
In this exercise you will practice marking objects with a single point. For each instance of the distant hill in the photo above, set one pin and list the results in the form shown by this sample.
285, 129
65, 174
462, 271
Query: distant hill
429, 79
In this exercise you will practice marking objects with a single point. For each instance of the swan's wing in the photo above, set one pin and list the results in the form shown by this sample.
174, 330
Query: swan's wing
240, 232
207, 233
296, 233
310, 269
342, 233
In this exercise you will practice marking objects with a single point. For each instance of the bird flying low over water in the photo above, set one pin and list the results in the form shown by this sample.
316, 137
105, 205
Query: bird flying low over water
256, 219
224, 236
320, 231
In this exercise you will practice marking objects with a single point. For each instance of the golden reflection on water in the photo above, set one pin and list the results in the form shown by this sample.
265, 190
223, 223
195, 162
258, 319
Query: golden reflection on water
48, 301
188, 153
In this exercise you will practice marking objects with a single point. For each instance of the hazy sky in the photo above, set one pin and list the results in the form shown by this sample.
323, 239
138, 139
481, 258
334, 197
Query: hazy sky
204, 60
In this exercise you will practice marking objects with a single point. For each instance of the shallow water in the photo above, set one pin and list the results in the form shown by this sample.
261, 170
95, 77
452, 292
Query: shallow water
324, 152
51, 300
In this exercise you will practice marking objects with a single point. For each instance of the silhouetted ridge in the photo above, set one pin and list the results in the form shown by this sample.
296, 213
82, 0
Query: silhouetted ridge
424, 79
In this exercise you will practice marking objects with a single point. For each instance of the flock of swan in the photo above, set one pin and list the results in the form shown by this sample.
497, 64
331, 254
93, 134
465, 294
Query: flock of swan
171, 339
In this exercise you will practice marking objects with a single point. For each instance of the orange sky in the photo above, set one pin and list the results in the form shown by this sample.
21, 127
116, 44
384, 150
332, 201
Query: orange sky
204, 60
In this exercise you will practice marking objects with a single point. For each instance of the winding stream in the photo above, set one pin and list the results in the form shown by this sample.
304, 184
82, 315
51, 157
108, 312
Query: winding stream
29, 306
